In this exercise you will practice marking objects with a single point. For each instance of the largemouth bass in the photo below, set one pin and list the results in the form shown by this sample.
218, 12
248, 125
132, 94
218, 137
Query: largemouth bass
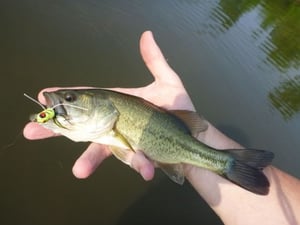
128, 123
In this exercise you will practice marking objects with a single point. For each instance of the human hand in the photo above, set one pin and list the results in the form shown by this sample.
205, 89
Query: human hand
166, 91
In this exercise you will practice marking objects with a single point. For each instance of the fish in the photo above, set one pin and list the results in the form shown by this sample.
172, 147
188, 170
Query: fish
128, 123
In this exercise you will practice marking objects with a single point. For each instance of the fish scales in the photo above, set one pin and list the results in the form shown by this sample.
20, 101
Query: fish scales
127, 123
162, 136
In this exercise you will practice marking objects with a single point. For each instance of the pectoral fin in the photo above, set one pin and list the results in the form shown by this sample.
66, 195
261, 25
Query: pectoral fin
173, 171
192, 120
118, 145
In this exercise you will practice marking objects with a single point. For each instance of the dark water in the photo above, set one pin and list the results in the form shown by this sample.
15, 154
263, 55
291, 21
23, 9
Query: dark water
238, 59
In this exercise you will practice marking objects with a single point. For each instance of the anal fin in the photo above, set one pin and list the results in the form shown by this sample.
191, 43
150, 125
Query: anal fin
173, 171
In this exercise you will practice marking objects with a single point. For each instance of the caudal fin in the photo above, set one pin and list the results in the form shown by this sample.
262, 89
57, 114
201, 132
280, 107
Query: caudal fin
246, 168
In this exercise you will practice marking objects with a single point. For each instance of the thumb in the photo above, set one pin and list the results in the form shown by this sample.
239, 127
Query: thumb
155, 60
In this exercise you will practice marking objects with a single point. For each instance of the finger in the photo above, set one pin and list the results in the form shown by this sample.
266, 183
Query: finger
142, 165
34, 131
155, 60
87, 163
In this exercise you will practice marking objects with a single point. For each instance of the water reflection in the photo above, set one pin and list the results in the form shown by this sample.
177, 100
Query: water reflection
278, 22
286, 97
280, 18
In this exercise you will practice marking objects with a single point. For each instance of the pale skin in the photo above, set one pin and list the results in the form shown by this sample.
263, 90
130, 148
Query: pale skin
232, 204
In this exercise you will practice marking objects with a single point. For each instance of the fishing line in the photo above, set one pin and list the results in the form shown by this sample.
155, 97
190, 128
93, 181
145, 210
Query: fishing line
34, 100
53, 107
12, 143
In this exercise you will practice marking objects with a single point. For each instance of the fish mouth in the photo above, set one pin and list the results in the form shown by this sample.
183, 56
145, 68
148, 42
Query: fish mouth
53, 101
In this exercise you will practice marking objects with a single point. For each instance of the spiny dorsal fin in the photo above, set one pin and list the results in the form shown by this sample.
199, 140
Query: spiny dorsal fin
192, 120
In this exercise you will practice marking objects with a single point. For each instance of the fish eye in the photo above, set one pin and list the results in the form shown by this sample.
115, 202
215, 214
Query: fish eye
70, 97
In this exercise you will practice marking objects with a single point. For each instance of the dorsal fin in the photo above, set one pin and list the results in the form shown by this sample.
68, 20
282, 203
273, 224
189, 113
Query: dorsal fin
192, 120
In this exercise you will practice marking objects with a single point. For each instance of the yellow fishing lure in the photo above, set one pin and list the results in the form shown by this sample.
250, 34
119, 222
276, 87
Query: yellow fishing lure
48, 113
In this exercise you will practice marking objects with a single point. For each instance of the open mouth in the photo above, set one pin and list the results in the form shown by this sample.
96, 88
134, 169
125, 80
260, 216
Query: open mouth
52, 101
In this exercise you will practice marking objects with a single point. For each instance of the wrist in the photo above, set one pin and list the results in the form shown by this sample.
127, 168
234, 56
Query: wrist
205, 182
216, 139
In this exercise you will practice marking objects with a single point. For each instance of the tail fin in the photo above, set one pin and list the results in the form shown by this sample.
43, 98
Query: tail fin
246, 167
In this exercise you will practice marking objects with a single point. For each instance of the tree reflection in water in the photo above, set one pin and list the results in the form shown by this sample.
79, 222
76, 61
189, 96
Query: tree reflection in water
286, 97
280, 19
